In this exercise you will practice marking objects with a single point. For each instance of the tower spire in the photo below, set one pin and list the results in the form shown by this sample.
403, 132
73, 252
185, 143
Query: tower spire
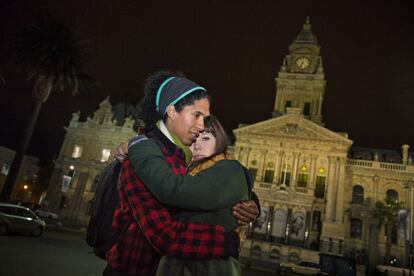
301, 82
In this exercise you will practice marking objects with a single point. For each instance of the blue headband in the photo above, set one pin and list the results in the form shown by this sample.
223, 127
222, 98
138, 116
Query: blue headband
173, 90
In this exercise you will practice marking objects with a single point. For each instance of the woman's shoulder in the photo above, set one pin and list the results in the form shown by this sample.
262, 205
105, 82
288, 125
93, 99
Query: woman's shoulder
230, 164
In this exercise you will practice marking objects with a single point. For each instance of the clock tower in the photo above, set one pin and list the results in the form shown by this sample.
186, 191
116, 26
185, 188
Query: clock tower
301, 83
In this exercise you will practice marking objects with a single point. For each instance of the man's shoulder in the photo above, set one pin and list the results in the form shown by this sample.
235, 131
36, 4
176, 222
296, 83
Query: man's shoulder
137, 139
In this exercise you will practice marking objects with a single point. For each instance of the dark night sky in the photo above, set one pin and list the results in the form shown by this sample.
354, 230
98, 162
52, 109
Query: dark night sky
235, 49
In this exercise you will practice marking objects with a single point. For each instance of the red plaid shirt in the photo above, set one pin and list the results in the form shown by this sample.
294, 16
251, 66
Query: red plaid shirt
138, 250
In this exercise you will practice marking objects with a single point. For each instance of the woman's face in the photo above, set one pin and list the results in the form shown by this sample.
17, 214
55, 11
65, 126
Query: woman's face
204, 146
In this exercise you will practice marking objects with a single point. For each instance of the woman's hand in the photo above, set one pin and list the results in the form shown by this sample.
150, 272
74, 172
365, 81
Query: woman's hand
245, 212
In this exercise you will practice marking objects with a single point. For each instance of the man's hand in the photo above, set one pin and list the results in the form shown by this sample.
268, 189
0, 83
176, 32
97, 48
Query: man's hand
121, 151
245, 212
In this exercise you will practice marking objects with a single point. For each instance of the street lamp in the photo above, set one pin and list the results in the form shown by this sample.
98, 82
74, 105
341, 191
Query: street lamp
411, 228
25, 187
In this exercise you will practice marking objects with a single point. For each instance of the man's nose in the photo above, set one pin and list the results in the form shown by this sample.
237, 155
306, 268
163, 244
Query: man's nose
200, 124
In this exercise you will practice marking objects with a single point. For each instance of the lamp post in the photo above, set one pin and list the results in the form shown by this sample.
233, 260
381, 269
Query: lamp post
410, 234
411, 227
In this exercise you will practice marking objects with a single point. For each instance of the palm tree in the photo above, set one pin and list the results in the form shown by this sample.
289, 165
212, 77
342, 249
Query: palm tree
51, 56
386, 213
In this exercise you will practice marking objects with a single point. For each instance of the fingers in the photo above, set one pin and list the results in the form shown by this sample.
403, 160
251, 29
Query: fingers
249, 206
245, 212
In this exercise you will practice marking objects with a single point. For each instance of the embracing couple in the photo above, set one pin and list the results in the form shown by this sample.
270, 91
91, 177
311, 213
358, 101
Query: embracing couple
181, 199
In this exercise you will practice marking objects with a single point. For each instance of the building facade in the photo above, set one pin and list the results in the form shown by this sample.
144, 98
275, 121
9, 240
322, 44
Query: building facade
317, 191
87, 148
27, 176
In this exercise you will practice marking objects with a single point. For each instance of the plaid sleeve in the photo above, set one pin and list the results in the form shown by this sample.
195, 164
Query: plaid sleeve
168, 236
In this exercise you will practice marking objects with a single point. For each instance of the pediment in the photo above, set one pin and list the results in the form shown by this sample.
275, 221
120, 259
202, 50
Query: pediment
291, 126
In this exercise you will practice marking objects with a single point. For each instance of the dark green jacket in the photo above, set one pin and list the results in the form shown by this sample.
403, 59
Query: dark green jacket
208, 196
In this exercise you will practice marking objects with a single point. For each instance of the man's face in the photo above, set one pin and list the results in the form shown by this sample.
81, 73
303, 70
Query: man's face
189, 122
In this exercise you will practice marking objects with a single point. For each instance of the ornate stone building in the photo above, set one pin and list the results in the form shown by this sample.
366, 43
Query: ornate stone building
86, 150
316, 190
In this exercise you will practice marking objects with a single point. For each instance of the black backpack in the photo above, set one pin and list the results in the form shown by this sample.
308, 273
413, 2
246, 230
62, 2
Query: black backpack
99, 234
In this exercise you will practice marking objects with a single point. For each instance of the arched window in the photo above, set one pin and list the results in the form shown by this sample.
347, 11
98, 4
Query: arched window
358, 194
392, 195
274, 254
356, 229
303, 177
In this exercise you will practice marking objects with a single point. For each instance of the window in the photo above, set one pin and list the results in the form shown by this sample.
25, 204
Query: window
288, 104
316, 221
77, 151
253, 171
25, 213
306, 109
358, 194
8, 210
356, 229
320, 186
303, 180
105, 155
274, 254
285, 178
268, 177
392, 195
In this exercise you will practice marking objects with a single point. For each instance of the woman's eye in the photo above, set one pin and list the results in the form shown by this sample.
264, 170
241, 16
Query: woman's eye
205, 138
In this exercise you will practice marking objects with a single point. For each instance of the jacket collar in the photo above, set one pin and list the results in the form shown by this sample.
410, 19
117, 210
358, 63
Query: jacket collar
158, 135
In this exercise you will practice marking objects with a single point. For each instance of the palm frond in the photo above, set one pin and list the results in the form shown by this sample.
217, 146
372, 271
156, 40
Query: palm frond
49, 47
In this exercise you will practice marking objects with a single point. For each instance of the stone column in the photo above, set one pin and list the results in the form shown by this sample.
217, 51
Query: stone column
260, 165
295, 168
307, 229
279, 167
404, 153
330, 195
312, 171
270, 222
287, 231
339, 214
246, 152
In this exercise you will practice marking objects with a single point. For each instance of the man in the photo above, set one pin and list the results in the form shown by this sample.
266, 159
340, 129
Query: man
174, 109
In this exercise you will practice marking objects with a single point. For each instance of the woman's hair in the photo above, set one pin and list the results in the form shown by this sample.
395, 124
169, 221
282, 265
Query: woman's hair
149, 114
213, 126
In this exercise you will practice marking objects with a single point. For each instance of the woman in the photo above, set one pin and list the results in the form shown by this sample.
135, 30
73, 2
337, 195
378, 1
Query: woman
200, 200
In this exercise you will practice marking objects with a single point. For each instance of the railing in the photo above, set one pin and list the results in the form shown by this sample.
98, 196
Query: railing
268, 186
378, 165
360, 163
393, 167
302, 190
264, 185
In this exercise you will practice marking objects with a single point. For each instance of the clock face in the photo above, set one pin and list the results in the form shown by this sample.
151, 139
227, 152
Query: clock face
302, 63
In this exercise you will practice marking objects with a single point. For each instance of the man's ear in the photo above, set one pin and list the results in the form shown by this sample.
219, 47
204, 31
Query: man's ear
171, 112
